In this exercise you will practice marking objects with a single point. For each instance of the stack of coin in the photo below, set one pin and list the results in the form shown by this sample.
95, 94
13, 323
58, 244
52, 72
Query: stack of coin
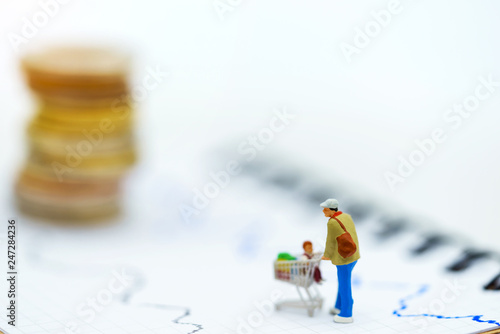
80, 139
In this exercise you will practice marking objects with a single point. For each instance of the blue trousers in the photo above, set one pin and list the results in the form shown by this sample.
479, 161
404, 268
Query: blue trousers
344, 296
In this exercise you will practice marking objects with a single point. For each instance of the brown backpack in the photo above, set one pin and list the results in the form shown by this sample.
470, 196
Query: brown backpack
347, 246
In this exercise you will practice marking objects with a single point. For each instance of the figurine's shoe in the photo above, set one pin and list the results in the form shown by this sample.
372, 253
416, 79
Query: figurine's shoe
342, 320
334, 311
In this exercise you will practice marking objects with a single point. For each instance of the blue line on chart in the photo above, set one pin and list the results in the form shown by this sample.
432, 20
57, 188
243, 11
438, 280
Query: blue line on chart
423, 289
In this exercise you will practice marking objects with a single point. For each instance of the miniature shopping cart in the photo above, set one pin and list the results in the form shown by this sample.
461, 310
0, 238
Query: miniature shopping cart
301, 274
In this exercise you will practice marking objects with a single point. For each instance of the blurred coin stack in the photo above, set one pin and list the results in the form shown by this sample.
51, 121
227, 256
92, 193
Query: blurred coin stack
80, 139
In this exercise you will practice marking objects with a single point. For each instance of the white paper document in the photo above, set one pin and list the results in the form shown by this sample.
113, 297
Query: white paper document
156, 271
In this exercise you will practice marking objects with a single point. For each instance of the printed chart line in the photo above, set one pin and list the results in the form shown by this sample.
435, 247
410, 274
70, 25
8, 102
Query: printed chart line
186, 313
139, 283
423, 289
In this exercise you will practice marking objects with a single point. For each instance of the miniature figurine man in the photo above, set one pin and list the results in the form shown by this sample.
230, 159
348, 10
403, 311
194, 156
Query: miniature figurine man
343, 305
309, 254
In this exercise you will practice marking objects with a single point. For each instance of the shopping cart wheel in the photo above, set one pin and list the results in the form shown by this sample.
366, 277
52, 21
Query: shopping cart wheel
310, 312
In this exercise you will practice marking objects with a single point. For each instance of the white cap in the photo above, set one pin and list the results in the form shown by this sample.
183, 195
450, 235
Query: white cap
330, 203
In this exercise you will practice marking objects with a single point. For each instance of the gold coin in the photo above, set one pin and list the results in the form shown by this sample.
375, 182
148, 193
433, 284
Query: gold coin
87, 159
80, 140
68, 214
67, 189
96, 141
77, 71
43, 198
105, 125
76, 167
85, 113
115, 101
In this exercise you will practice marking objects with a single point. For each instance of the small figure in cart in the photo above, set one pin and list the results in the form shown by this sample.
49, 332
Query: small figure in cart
342, 250
308, 255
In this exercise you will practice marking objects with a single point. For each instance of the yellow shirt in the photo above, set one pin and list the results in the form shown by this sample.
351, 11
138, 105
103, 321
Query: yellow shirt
334, 230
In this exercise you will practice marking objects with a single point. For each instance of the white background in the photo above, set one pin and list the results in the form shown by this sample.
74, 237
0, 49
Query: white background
353, 119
